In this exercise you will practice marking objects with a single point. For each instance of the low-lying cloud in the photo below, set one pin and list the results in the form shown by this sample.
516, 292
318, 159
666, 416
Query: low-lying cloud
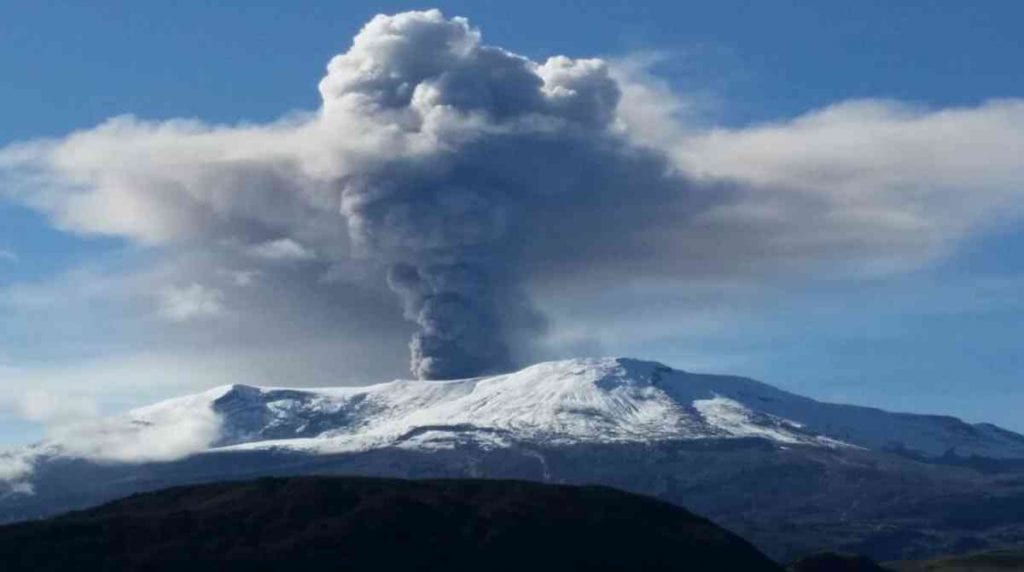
167, 431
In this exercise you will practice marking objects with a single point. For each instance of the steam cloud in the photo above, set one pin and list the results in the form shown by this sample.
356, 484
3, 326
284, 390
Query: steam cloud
467, 178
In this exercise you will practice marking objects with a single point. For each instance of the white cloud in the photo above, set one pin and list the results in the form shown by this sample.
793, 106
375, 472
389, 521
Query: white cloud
14, 467
164, 432
880, 184
181, 304
7, 255
76, 394
281, 249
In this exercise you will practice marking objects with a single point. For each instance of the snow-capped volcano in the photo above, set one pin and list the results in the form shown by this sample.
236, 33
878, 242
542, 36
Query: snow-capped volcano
568, 402
580, 401
741, 452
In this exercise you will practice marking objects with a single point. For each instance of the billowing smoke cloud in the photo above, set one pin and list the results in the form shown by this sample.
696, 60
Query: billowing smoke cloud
458, 168
495, 136
471, 181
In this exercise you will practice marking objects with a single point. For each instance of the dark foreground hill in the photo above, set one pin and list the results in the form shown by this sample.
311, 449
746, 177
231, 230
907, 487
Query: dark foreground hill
340, 523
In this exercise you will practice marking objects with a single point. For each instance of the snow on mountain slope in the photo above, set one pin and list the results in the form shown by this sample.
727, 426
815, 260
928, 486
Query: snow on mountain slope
566, 402
575, 401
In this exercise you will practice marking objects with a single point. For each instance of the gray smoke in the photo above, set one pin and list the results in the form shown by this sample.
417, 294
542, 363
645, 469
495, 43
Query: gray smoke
465, 176
460, 330
471, 181
497, 142
445, 237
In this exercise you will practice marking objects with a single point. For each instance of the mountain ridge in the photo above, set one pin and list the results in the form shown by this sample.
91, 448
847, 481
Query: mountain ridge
594, 400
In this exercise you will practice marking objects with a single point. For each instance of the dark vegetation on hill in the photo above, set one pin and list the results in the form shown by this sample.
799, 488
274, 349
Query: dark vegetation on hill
343, 523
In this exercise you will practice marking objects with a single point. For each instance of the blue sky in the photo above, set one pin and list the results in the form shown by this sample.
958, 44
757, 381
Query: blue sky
942, 335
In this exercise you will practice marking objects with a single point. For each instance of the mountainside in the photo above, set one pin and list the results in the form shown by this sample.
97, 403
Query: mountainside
377, 524
792, 474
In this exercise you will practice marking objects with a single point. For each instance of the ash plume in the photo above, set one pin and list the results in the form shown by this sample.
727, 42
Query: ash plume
449, 216
463, 187
462, 173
